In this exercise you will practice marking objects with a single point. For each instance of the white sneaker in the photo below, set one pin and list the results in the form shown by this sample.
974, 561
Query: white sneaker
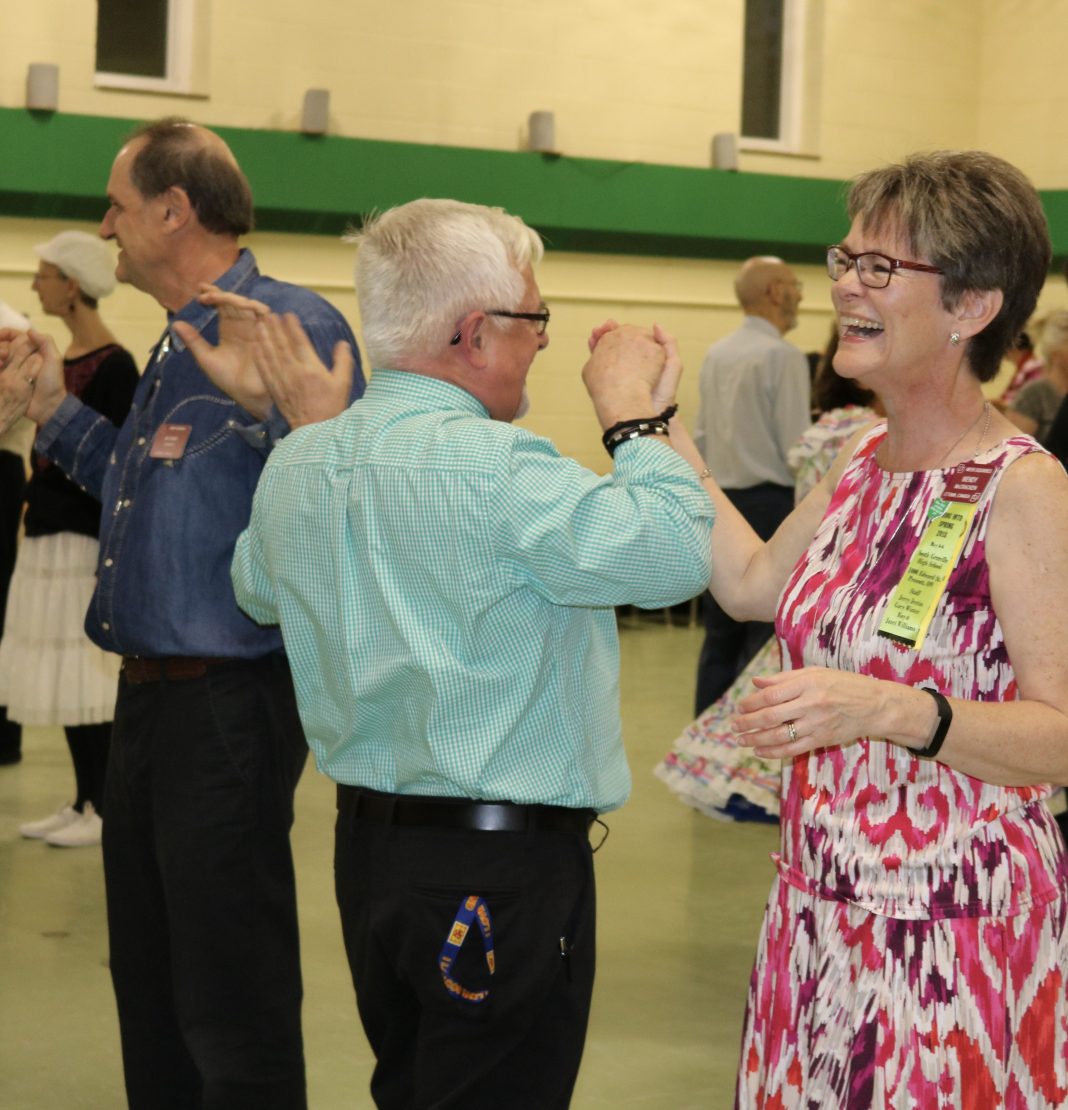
38, 830
83, 833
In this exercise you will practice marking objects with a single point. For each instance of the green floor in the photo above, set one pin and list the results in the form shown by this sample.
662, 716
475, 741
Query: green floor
680, 899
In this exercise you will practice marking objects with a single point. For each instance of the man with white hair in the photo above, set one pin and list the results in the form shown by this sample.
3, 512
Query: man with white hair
755, 403
445, 583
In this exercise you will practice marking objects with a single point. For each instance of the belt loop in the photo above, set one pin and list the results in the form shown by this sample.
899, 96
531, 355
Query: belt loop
350, 799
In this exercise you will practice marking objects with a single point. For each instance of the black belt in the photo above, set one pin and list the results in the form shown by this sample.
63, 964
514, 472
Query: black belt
175, 668
459, 813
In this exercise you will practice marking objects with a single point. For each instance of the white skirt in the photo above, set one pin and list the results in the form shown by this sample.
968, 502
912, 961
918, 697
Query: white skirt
50, 671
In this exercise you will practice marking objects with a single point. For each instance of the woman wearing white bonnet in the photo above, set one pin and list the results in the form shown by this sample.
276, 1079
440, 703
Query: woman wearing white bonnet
50, 673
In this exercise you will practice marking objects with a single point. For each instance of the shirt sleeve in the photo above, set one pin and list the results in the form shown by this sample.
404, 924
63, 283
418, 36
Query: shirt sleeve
80, 441
248, 572
641, 536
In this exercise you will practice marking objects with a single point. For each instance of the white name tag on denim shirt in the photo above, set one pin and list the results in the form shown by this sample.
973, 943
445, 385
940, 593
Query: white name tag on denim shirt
170, 440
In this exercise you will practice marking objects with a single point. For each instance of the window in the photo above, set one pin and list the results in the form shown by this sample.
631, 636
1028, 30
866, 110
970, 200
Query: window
776, 84
152, 45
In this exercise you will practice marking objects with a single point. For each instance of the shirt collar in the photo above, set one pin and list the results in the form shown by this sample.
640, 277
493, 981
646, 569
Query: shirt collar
419, 390
758, 323
242, 273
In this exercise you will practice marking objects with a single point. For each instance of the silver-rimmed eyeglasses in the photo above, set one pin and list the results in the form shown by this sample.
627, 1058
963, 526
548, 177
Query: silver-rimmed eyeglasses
874, 270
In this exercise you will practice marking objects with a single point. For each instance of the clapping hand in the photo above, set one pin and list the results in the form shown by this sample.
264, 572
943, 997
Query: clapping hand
302, 387
262, 360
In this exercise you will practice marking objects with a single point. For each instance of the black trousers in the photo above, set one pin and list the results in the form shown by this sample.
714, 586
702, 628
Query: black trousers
399, 890
200, 889
730, 644
12, 491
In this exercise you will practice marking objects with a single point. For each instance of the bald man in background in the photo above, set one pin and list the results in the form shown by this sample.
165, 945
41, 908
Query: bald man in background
755, 402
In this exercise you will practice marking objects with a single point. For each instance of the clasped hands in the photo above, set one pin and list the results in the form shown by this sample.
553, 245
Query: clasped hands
631, 372
31, 377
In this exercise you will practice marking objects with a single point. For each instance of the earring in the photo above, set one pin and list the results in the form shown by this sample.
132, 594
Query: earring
954, 337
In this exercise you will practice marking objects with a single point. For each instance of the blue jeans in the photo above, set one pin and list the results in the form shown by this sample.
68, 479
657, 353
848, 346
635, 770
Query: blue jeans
201, 896
730, 644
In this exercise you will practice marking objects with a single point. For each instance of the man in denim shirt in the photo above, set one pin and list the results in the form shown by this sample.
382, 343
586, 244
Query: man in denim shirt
207, 746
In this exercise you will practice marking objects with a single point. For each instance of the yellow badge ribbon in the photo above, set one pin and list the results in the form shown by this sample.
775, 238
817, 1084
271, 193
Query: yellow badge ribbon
915, 598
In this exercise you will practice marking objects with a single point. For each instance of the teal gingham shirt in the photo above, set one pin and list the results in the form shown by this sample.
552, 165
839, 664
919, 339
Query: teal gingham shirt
444, 583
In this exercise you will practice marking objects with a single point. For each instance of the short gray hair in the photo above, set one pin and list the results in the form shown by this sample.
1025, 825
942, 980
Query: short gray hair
421, 267
979, 220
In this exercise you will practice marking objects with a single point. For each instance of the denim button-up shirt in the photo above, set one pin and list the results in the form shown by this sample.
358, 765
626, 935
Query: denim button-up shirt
168, 526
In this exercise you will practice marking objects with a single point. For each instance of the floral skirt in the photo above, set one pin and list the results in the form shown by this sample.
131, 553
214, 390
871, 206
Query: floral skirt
51, 673
708, 769
851, 1010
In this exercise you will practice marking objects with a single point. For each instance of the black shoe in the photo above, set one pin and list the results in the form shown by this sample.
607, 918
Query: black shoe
9, 756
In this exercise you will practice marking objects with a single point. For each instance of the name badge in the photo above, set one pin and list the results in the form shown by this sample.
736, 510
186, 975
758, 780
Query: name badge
949, 517
170, 440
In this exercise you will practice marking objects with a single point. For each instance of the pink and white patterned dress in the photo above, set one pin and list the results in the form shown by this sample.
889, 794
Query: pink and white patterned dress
914, 951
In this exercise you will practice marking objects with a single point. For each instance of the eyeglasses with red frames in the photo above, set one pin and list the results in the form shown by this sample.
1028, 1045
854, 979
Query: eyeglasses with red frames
874, 270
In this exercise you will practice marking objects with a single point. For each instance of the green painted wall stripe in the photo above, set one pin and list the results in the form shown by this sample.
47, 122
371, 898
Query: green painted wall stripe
56, 165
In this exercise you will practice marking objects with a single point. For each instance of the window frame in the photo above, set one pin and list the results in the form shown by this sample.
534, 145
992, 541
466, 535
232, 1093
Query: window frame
187, 56
794, 87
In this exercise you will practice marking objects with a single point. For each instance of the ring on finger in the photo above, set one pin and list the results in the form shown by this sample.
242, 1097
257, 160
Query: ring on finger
791, 731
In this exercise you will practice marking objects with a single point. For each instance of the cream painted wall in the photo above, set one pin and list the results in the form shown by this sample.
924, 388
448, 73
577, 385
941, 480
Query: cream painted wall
692, 299
626, 81
642, 82
1023, 96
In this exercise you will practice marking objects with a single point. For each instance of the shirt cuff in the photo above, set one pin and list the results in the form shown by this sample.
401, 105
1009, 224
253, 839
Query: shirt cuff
264, 435
68, 409
635, 458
